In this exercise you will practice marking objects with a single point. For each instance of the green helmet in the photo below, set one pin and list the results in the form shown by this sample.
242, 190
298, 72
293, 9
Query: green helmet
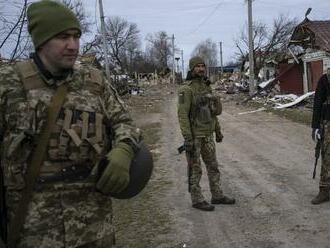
195, 61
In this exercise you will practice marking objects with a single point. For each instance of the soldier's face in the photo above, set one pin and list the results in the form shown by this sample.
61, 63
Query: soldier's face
60, 52
199, 70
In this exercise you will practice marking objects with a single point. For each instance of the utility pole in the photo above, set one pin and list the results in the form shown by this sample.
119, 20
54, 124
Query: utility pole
173, 59
182, 63
221, 62
104, 42
251, 59
177, 64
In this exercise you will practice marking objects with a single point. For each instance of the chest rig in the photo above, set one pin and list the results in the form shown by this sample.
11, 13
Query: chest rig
206, 105
80, 137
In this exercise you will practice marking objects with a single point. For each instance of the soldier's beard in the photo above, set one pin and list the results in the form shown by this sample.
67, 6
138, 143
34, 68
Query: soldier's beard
198, 74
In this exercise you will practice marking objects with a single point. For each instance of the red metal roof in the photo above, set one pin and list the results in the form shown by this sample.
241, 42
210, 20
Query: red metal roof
315, 32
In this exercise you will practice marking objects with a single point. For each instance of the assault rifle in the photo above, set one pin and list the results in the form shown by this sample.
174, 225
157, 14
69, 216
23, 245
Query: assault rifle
181, 149
189, 155
317, 155
317, 152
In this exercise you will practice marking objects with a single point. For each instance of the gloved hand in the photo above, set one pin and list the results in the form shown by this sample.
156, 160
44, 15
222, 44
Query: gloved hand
188, 145
218, 137
316, 134
115, 176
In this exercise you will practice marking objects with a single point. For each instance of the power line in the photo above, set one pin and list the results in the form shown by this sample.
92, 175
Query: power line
207, 17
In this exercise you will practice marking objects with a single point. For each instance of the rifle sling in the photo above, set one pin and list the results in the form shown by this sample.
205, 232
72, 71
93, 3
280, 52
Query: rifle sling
16, 225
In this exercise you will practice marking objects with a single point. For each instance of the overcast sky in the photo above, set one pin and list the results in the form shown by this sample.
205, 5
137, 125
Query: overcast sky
193, 21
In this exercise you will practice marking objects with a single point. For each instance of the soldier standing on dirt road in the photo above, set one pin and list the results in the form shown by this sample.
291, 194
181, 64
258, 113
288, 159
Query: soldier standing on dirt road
321, 131
66, 198
197, 112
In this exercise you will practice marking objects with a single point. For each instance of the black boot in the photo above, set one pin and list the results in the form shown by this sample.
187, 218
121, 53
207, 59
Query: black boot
323, 196
223, 200
204, 205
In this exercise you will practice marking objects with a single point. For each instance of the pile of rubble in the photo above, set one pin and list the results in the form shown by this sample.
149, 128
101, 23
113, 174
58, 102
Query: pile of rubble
286, 101
267, 94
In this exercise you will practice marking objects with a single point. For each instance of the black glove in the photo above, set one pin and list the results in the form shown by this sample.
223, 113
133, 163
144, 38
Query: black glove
218, 137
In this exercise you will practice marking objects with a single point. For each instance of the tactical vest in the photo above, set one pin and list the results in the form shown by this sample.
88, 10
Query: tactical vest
205, 107
80, 138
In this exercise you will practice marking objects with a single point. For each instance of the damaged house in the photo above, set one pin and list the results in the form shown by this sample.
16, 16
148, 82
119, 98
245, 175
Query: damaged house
300, 75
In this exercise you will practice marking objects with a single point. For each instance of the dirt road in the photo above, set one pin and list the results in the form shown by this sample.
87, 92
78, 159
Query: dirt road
266, 163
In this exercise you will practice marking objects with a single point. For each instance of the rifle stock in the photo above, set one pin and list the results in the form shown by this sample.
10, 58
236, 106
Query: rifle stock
181, 149
318, 150
189, 171
189, 155
317, 155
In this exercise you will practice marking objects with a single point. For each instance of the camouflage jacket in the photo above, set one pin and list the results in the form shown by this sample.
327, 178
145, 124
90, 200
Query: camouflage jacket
65, 210
195, 114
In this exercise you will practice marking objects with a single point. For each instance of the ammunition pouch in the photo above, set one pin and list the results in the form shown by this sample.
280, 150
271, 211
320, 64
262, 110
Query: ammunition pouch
208, 106
215, 105
203, 111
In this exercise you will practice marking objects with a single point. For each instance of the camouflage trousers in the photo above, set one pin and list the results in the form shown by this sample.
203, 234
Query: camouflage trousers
325, 167
204, 148
68, 218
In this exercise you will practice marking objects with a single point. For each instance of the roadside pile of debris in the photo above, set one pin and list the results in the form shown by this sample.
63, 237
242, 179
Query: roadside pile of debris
286, 101
133, 86
232, 87
267, 94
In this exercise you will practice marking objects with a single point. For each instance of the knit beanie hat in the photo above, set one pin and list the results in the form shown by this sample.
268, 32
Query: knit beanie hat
48, 18
195, 61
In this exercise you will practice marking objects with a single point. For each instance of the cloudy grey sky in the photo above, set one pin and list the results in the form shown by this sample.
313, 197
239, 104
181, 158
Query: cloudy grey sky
193, 21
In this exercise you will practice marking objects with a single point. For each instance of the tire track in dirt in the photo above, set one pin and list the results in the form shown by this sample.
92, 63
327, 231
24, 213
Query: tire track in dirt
266, 163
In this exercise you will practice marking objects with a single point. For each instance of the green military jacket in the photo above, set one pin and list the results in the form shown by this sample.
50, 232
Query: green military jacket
64, 211
194, 111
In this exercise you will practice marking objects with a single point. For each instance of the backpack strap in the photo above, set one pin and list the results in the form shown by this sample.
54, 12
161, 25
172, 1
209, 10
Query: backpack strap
30, 75
33, 170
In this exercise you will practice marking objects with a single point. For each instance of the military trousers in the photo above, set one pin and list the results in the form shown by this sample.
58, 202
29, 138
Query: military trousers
325, 166
68, 218
204, 147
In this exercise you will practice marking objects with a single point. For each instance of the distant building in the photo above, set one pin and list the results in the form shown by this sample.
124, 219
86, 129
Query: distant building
314, 38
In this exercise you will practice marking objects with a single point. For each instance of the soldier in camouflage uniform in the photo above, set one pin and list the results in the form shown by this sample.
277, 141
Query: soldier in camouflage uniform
321, 131
198, 108
70, 204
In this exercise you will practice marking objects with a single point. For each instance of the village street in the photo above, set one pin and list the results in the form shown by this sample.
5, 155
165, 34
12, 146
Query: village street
266, 163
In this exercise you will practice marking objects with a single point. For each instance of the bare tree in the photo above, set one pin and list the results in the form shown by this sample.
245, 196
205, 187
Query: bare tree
268, 42
208, 51
77, 7
132, 54
93, 46
159, 49
123, 39
13, 34
14, 39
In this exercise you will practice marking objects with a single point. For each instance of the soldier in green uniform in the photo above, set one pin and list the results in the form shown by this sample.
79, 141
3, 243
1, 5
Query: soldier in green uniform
70, 204
198, 108
321, 133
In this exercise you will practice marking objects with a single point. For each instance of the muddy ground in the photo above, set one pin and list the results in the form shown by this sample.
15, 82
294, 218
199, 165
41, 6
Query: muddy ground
266, 162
